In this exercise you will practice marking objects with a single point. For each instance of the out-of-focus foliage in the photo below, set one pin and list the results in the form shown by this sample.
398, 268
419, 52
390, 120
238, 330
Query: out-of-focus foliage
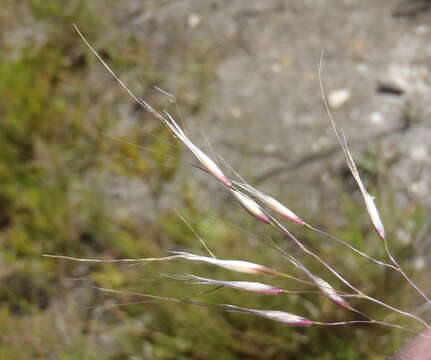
62, 179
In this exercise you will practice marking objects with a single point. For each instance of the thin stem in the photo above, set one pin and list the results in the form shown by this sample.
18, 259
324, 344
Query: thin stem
401, 271
206, 292
195, 234
108, 307
231, 308
372, 322
301, 266
112, 260
333, 237
343, 280
297, 279
134, 97
163, 298
369, 201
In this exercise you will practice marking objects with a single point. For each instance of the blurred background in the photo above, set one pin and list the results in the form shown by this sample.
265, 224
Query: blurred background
245, 76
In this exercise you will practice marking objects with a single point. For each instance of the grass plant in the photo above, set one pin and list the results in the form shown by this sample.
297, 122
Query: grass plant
271, 212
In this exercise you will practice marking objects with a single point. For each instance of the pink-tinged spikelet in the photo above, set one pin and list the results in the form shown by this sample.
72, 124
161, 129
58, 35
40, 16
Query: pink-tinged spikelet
276, 315
251, 206
254, 287
372, 211
208, 164
234, 265
373, 214
272, 203
370, 205
330, 292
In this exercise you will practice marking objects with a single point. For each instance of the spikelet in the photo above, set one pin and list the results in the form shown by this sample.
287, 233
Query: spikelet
272, 203
373, 214
370, 205
372, 211
209, 165
233, 265
276, 315
251, 206
330, 292
254, 287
